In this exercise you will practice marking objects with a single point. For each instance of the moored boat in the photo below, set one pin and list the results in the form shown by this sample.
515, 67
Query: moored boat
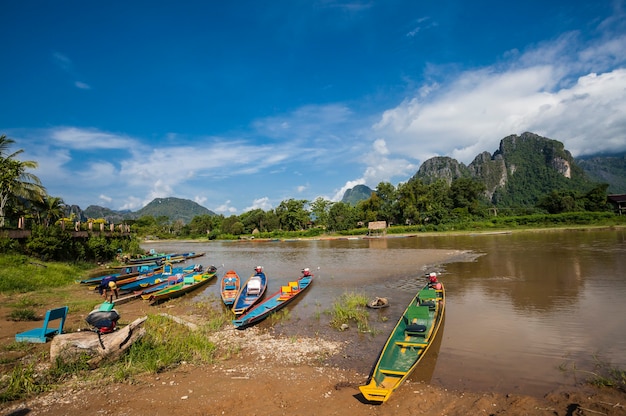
123, 273
145, 281
407, 344
229, 287
250, 292
190, 282
275, 302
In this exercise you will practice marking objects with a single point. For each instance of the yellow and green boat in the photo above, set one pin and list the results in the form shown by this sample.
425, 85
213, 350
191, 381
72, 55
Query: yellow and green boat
177, 288
408, 343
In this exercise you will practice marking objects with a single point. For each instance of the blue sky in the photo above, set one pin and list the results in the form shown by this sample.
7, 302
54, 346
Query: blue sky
243, 104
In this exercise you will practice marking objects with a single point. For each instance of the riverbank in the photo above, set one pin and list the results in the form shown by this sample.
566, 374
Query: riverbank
578, 228
261, 373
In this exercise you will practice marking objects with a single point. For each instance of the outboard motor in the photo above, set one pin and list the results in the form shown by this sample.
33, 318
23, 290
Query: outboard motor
103, 319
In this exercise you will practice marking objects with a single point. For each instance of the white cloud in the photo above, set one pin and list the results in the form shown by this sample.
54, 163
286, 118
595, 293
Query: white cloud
477, 109
225, 208
82, 85
260, 203
200, 200
83, 139
105, 198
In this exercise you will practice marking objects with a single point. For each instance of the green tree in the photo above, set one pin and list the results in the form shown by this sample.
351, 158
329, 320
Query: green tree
434, 204
388, 198
557, 202
15, 180
341, 217
369, 209
407, 201
49, 210
320, 210
232, 225
254, 219
201, 225
292, 215
595, 199
466, 193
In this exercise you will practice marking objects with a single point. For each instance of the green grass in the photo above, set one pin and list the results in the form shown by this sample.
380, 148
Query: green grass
23, 315
350, 307
280, 316
603, 374
21, 274
165, 345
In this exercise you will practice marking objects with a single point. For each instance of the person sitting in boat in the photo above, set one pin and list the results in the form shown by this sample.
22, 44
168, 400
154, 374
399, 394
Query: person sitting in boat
108, 287
306, 272
433, 282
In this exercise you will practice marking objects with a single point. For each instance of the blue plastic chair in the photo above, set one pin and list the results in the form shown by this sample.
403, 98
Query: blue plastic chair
40, 335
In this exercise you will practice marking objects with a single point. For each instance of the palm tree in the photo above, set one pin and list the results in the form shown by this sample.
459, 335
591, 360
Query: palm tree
15, 181
50, 209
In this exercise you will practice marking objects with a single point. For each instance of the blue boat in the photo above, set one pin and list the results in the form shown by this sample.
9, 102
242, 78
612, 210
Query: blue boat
142, 282
250, 292
275, 302
123, 273
229, 287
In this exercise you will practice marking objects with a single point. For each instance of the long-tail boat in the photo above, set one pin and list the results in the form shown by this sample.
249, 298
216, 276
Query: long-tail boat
408, 343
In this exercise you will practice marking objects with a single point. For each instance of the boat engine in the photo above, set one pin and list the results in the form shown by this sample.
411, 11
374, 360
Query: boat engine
104, 321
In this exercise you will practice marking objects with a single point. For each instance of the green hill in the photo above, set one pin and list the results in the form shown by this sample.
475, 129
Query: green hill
519, 173
173, 208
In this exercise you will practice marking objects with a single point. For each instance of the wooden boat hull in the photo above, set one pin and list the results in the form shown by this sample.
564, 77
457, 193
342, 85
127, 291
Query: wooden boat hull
123, 273
407, 344
230, 285
145, 281
246, 300
274, 303
189, 283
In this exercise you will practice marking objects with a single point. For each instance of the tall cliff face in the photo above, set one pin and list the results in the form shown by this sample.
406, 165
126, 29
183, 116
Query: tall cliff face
522, 169
441, 167
491, 170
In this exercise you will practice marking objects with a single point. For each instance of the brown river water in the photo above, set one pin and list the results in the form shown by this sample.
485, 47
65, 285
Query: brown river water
523, 310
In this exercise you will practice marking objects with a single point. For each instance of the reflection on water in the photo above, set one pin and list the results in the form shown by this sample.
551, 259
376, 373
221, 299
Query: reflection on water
518, 305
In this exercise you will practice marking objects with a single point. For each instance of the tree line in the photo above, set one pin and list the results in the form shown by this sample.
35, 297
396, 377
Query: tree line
414, 205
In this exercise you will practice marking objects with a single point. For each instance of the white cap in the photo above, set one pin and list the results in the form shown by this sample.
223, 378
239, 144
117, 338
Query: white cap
305, 270
433, 274
258, 267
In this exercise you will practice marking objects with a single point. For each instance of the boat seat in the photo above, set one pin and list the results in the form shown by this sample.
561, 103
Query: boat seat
417, 313
294, 286
285, 292
415, 330
40, 335
406, 344
189, 280
254, 286
418, 319
426, 294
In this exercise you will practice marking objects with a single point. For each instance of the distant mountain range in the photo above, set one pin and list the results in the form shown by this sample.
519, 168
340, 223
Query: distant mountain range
176, 209
523, 169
